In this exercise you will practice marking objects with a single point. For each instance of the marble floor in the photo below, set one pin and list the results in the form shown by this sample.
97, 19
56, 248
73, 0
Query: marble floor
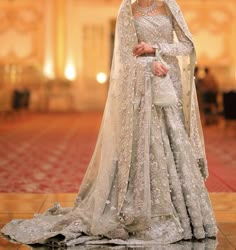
16, 205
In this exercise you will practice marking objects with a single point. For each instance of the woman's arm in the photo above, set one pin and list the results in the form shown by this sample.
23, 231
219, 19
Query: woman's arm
183, 47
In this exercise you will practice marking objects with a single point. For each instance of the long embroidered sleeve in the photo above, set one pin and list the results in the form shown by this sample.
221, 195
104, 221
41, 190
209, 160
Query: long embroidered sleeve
183, 47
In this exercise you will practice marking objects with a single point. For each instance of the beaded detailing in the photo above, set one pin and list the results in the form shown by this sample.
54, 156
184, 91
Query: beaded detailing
144, 11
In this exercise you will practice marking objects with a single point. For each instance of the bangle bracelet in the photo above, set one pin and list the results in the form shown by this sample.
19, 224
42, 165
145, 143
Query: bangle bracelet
158, 57
156, 47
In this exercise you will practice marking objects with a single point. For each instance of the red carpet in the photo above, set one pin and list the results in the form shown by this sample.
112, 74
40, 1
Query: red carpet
49, 153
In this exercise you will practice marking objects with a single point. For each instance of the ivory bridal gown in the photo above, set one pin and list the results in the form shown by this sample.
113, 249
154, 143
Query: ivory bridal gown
165, 199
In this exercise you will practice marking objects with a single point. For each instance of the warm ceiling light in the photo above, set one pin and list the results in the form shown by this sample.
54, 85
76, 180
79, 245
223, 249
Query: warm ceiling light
70, 72
101, 78
48, 70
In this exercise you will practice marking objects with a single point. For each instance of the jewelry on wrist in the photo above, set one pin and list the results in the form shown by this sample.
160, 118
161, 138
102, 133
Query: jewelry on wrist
156, 47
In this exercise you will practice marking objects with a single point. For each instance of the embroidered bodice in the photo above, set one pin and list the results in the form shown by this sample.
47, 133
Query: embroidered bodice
159, 30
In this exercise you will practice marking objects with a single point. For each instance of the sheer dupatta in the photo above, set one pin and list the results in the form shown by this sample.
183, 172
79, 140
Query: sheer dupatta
190, 103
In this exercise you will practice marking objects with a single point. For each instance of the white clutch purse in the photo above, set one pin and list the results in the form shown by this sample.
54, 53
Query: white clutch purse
163, 90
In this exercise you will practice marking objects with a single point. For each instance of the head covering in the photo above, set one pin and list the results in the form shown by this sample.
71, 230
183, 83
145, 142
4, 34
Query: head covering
111, 160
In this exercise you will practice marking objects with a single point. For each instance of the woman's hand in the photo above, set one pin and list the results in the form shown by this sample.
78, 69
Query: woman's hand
143, 48
159, 69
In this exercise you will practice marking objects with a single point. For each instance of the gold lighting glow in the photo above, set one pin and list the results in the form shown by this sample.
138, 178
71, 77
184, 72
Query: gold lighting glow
101, 78
70, 72
48, 70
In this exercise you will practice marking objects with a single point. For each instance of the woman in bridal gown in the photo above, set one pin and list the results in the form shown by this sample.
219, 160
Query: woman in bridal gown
145, 180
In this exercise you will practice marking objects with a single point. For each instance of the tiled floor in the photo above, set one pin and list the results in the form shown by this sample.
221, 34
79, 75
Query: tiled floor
25, 205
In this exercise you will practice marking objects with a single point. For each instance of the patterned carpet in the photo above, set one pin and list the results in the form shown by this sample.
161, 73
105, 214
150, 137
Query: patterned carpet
49, 153
221, 154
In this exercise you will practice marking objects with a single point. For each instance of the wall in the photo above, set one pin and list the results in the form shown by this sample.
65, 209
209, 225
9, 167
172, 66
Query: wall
212, 23
71, 39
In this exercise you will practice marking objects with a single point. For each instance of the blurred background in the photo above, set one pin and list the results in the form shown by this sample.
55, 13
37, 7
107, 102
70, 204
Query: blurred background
55, 57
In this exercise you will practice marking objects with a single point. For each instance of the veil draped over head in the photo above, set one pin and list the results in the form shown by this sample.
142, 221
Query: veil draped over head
106, 179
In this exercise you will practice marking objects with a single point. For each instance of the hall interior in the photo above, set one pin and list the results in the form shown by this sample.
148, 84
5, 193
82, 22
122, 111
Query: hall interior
55, 59
60, 51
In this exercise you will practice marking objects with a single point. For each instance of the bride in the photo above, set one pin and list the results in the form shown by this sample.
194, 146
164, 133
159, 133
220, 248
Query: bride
145, 181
